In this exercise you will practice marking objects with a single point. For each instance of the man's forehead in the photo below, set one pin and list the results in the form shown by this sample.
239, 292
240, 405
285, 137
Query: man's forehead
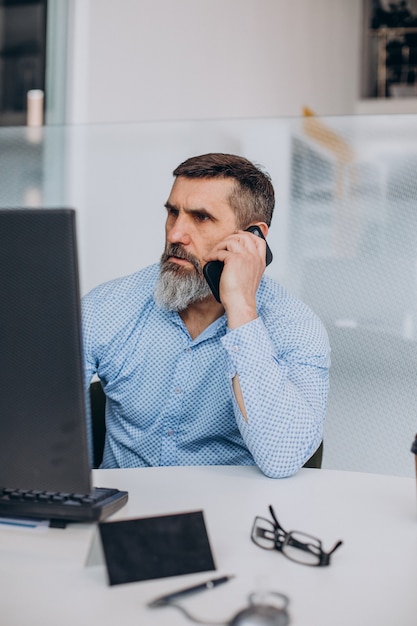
201, 192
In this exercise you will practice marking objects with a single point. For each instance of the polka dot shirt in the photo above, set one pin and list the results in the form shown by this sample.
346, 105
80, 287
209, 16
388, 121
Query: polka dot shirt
170, 398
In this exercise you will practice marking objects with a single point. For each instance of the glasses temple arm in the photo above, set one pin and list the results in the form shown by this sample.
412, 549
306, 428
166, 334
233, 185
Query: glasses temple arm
275, 519
337, 545
325, 556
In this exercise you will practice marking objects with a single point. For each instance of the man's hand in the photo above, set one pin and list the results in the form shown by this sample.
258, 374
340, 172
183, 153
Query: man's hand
243, 255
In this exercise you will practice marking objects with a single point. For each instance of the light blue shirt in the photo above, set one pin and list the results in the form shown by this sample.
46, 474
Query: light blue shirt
170, 399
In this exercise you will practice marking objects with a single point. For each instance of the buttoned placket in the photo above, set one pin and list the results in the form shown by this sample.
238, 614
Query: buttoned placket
173, 411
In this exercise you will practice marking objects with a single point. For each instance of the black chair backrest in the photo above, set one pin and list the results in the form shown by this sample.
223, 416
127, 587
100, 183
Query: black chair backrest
316, 459
98, 421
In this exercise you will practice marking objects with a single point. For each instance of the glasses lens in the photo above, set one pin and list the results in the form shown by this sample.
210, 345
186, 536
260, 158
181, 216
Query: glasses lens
302, 548
263, 533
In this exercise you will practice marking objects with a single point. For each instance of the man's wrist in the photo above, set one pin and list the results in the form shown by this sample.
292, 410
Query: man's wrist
241, 315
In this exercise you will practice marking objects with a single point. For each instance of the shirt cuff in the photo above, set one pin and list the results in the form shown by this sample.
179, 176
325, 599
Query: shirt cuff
247, 346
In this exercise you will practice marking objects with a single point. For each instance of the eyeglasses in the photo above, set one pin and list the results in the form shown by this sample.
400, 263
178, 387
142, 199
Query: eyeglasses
296, 546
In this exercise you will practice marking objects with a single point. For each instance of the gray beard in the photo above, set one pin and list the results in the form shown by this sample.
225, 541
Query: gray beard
178, 287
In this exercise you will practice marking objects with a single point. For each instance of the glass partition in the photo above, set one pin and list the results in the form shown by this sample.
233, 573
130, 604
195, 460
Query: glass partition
344, 237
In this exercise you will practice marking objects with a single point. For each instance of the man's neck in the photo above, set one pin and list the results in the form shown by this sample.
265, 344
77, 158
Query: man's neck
199, 315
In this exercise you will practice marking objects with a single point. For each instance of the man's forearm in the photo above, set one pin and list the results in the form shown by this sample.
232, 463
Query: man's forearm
279, 400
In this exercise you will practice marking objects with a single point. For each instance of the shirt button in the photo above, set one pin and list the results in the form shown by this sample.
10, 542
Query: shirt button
235, 348
170, 432
177, 390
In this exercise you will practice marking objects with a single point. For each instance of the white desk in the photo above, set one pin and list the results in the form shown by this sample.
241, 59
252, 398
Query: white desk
372, 580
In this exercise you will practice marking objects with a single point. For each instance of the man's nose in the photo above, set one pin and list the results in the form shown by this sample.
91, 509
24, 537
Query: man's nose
179, 232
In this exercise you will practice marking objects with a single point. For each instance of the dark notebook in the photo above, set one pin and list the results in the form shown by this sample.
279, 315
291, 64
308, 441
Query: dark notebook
156, 547
44, 460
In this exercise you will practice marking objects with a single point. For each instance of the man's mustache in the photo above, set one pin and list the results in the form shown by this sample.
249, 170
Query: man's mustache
176, 250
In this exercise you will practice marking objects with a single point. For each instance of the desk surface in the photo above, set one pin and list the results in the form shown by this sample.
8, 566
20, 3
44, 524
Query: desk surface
372, 578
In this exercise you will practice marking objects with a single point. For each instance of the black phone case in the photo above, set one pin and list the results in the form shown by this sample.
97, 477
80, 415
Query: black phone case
213, 269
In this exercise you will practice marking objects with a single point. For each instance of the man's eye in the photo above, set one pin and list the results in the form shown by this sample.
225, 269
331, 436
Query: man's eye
201, 217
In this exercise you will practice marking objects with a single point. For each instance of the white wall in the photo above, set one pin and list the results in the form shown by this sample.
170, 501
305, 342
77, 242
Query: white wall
156, 60
191, 60
143, 60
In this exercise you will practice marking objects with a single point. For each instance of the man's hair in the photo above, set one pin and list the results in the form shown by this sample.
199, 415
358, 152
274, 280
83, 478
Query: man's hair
252, 198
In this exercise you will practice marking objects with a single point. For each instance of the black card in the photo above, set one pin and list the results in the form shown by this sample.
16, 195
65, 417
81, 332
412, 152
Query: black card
156, 547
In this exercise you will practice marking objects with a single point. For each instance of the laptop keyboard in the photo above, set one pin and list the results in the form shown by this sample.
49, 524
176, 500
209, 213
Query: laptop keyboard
70, 507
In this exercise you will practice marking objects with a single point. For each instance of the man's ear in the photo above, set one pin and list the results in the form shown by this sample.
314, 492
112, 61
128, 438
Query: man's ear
263, 226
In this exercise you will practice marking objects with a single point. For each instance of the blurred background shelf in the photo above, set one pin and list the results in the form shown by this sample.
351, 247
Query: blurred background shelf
22, 56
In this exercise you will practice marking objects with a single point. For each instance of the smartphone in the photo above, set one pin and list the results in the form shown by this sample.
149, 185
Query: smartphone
213, 269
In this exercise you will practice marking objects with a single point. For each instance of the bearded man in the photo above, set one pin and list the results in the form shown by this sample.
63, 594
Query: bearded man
190, 380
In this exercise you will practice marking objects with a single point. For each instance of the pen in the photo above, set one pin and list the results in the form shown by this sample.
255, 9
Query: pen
209, 584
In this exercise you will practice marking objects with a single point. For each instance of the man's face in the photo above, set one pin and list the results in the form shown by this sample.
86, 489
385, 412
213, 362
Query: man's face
199, 216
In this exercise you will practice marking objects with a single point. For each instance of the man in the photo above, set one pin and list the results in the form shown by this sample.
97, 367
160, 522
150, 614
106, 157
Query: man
189, 380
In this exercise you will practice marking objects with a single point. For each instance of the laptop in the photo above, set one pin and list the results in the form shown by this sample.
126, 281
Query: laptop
44, 454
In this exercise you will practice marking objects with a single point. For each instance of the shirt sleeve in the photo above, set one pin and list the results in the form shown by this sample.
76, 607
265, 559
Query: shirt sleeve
87, 309
88, 326
284, 380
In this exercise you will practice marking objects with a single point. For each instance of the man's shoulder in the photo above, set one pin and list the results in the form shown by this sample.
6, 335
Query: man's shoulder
273, 297
290, 321
134, 288
272, 292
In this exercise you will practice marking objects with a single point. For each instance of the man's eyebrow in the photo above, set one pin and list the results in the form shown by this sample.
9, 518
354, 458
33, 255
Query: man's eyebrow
200, 211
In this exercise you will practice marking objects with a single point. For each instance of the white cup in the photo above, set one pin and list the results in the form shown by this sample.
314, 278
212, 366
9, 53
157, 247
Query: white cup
35, 98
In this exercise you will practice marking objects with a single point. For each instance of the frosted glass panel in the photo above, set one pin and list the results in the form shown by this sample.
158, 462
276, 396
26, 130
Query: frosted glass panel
344, 238
353, 258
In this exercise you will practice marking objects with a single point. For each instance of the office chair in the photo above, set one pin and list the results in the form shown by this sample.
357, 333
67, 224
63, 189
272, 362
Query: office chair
316, 459
98, 421
98, 424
